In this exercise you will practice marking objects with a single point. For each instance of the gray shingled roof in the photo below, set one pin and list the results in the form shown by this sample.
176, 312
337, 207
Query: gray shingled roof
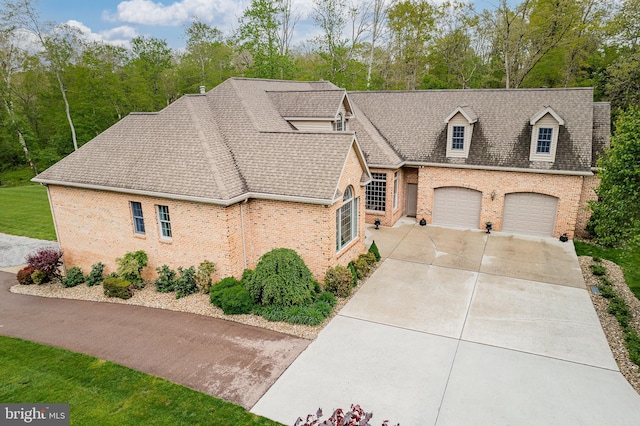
413, 125
231, 142
308, 103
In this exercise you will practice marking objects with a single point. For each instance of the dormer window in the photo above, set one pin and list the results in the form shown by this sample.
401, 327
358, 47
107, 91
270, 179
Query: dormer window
544, 135
340, 124
459, 130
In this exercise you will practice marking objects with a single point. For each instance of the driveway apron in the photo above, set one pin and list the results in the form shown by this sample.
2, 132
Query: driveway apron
229, 360
457, 327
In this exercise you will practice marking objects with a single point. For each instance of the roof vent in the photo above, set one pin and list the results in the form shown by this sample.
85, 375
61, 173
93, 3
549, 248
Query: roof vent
203, 90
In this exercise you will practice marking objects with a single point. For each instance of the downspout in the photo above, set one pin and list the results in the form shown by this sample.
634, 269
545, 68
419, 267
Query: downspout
244, 245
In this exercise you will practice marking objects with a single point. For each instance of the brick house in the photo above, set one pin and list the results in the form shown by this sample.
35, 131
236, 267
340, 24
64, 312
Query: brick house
253, 165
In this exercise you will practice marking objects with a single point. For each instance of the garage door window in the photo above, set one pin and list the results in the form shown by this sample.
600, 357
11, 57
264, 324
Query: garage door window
377, 192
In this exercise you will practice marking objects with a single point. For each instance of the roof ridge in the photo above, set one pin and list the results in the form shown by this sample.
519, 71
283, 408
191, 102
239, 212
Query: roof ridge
207, 149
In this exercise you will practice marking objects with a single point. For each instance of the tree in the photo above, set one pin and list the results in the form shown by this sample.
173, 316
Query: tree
616, 214
151, 59
265, 32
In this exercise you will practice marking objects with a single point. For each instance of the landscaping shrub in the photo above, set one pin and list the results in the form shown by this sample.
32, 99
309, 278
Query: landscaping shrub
327, 298
117, 287
352, 269
338, 280
166, 280
246, 274
606, 291
619, 308
203, 275
363, 264
374, 249
596, 259
130, 267
236, 300
95, 276
186, 282
633, 345
598, 270
605, 281
74, 277
24, 275
215, 293
281, 278
39, 277
47, 260
312, 314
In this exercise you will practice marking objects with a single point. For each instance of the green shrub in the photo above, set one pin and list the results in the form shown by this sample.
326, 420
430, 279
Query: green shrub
281, 278
95, 276
605, 281
619, 308
598, 270
633, 345
117, 287
203, 275
130, 267
216, 290
166, 280
369, 257
363, 264
596, 259
606, 291
39, 277
354, 274
338, 280
74, 277
246, 274
374, 249
311, 314
24, 275
186, 282
236, 300
327, 298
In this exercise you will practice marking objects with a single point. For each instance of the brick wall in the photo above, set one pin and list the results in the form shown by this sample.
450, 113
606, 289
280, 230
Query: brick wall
567, 189
584, 213
97, 226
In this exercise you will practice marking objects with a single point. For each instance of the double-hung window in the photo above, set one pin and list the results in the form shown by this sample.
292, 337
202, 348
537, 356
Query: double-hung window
395, 190
164, 222
377, 192
545, 136
138, 218
347, 219
340, 123
457, 138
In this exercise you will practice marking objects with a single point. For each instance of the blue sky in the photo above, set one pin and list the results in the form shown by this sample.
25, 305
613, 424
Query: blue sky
117, 21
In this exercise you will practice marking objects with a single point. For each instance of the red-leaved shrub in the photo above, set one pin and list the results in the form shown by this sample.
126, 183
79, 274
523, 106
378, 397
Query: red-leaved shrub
24, 275
47, 260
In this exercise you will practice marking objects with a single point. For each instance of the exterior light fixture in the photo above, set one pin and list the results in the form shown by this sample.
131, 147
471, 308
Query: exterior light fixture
376, 222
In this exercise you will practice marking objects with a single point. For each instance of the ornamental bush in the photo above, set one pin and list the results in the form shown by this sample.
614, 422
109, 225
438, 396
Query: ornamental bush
281, 278
74, 277
40, 277
363, 264
354, 274
236, 300
24, 275
215, 293
338, 280
47, 260
117, 287
95, 276
203, 275
166, 280
374, 249
130, 267
186, 282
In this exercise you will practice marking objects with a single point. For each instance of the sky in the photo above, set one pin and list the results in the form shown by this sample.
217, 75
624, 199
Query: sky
118, 21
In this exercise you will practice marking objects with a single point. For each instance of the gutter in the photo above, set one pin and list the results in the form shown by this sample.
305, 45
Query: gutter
180, 197
490, 168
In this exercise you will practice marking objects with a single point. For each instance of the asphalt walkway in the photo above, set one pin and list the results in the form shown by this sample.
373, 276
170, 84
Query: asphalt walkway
229, 360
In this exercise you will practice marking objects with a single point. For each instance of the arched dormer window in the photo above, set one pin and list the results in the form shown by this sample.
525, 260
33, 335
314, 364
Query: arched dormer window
347, 219
340, 124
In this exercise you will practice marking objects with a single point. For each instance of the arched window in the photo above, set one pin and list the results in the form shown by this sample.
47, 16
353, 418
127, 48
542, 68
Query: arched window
340, 123
347, 219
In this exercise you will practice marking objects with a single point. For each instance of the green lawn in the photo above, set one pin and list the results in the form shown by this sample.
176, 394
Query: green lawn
104, 393
17, 177
25, 211
628, 259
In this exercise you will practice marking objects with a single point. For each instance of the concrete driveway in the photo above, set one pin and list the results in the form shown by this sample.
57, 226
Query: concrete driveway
458, 327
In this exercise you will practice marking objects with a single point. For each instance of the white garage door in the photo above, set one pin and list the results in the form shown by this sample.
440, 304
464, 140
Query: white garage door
529, 213
455, 206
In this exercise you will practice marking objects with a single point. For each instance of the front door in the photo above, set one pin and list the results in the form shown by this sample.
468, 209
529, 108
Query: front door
412, 199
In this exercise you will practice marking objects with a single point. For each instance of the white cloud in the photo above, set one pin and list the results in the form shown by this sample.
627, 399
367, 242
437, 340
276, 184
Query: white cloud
149, 12
120, 36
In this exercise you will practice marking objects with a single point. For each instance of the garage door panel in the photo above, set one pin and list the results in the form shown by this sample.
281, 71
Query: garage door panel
529, 213
457, 206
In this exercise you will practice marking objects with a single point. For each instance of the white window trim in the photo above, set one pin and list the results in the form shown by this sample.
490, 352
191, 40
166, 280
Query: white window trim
354, 202
395, 190
373, 179
133, 218
459, 120
160, 222
340, 124
549, 122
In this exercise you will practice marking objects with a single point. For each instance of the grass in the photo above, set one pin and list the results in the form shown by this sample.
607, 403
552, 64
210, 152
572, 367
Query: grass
628, 259
104, 393
25, 211
17, 177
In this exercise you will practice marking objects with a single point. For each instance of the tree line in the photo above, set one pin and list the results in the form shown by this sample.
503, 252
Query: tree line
59, 90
